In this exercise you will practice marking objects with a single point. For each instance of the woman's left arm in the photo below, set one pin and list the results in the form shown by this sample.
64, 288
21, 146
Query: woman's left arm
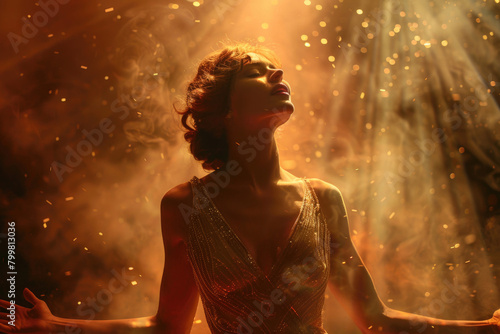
353, 287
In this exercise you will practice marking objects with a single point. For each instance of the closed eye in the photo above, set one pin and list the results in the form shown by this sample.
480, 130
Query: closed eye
254, 74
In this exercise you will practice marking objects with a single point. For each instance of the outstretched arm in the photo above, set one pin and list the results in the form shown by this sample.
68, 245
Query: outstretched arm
178, 291
352, 285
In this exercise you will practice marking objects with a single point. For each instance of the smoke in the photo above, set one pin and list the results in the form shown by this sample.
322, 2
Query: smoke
396, 104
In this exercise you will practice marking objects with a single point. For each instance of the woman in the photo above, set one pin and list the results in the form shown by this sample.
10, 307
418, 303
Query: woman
258, 244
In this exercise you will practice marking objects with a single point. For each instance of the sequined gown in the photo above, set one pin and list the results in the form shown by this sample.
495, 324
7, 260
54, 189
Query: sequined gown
238, 297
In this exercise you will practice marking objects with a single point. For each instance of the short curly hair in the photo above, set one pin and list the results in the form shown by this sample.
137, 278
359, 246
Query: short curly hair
208, 101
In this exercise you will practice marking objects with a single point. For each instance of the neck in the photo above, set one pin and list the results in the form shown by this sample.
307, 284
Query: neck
257, 159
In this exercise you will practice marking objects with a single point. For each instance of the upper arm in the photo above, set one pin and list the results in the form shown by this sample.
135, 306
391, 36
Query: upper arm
349, 279
178, 291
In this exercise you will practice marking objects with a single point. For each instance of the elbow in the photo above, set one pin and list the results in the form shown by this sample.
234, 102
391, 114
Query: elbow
378, 320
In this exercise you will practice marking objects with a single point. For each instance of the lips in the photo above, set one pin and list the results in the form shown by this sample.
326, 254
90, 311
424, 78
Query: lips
280, 89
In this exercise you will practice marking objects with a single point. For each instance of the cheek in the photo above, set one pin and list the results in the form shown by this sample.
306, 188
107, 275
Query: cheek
248, 96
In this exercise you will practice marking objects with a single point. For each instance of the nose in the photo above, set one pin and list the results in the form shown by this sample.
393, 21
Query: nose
276, 75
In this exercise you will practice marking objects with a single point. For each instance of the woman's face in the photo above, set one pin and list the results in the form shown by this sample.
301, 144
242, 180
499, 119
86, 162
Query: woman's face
259, 94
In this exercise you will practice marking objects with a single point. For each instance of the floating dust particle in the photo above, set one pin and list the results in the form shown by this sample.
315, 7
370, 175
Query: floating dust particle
83, 67
427, 294
70, 198
359, 11
46, 220
264, 26
49, 202
368, 126
304, 37
108, 10
63, 99
100, 233
392, 215
298, 67
44, 225
67, 273
452, 176
133, 282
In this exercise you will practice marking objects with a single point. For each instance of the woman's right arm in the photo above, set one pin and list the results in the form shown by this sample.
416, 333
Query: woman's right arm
178, 291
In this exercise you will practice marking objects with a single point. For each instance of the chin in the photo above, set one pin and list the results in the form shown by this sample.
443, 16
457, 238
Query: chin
284, 108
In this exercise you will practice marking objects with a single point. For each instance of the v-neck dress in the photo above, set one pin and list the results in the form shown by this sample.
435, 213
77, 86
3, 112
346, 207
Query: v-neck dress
237, 296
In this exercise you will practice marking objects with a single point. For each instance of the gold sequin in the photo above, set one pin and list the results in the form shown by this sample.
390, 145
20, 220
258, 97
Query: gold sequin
236, 293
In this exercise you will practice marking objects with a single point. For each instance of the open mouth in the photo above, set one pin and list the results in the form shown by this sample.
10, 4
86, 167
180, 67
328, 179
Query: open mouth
280, 89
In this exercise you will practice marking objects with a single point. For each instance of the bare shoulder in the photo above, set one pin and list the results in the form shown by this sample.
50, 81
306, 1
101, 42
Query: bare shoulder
327, 193
331, 205
175, 210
